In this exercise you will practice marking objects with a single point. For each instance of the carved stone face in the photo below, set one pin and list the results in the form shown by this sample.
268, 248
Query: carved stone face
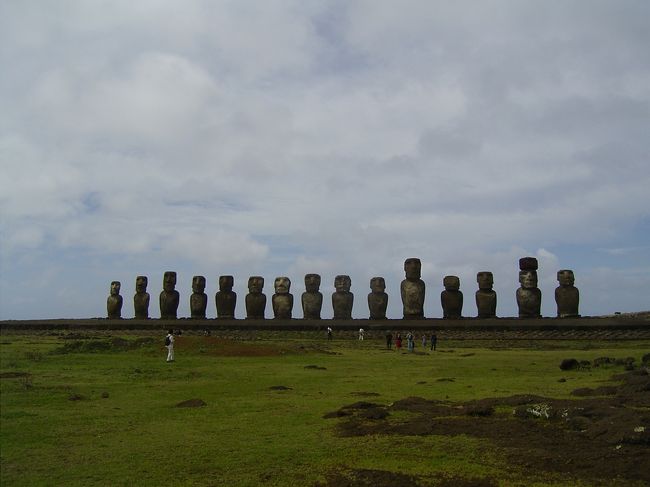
115, 288
198, 284
169, 281
342, 283
282, 285
485, 280
255, 284
141, 284
312, 283
377, 285
451, 283
413, 268
566, 278
528, 279
226, 283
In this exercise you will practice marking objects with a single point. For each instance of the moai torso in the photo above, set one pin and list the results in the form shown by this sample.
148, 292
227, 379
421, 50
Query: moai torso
226, 298
255, 299
141, 298
312, 298
451, 298
169, 297
377, 299
486, 298
198, 299
282, 300
413, 290
567, 296
114, 302
342, 299
529, 297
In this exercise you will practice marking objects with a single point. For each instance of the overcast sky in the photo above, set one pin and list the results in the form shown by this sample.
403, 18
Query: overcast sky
280, 138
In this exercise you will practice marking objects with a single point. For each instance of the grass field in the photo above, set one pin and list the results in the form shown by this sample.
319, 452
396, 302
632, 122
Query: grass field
102, 410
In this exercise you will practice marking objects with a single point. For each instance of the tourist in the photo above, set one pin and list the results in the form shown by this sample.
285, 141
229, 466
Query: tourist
410, 341
389, 340
361, 332
398, 341
169, 343
329, 332
434, 340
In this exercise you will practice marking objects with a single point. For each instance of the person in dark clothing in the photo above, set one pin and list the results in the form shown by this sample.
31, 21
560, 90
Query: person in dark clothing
434, 340
389, 340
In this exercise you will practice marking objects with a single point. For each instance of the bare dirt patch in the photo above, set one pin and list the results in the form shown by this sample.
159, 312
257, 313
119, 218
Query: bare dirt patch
602, 440
192, 403
14, 375
383, 478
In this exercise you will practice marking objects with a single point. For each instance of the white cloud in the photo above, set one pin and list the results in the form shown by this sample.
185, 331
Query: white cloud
281, 138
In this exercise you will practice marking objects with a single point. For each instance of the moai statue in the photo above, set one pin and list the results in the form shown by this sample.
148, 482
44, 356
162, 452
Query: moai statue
451, 298
567, 295
114, 302
529, 297
342, 299
226, 298
312, 299
141, 298
255, 299
412, 290
198, 299
377, 299
486, 297
169, 297
282, 300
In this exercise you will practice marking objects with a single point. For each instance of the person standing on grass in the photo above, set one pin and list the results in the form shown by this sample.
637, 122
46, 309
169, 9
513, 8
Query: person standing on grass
398, 342
434, 341
409, 341
424, 341
329, 332
389, 340
361, 332
169, 343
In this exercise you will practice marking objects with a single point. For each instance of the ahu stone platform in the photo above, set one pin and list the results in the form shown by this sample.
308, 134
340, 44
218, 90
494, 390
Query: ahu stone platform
586, 328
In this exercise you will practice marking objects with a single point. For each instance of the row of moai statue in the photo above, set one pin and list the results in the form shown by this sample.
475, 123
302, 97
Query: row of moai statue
529, 297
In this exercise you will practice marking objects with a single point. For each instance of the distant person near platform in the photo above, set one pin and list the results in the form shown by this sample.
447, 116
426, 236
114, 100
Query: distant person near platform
169, 343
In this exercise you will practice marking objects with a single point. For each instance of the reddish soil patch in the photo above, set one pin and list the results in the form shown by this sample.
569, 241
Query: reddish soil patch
602, 440
226, 347
192, 403
382, 478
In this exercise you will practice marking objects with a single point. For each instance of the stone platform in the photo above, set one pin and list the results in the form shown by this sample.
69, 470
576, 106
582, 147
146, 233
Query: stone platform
586, 328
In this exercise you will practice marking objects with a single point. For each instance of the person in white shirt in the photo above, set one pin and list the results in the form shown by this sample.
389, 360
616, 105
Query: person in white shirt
169, 343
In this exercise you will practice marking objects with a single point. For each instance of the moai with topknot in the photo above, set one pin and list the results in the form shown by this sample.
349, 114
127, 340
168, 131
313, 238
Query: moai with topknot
529, 297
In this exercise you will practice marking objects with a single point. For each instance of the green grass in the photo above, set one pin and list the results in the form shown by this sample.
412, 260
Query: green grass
249, 434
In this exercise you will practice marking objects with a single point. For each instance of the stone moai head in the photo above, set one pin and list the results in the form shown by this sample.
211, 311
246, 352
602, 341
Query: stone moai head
528, 272
282, 285
115, 288
451, 283
255, 284
342, 283
198, 284
528, 279
485, 280
169, 281
226, 283
141, 284
413, 268
377, 285
566, 278
312, 283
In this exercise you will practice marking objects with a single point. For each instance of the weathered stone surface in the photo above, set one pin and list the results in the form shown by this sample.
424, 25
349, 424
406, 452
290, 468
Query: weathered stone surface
413, 290
377, 299
451, 298
141, 298
312, 298
486, 297
169, 297
528, 264
114, 302
282, 300
226, 298
255, 299
529, 297
342, 299
567, 296
198, 299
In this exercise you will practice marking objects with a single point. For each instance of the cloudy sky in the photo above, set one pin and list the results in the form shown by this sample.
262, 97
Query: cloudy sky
286, 137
